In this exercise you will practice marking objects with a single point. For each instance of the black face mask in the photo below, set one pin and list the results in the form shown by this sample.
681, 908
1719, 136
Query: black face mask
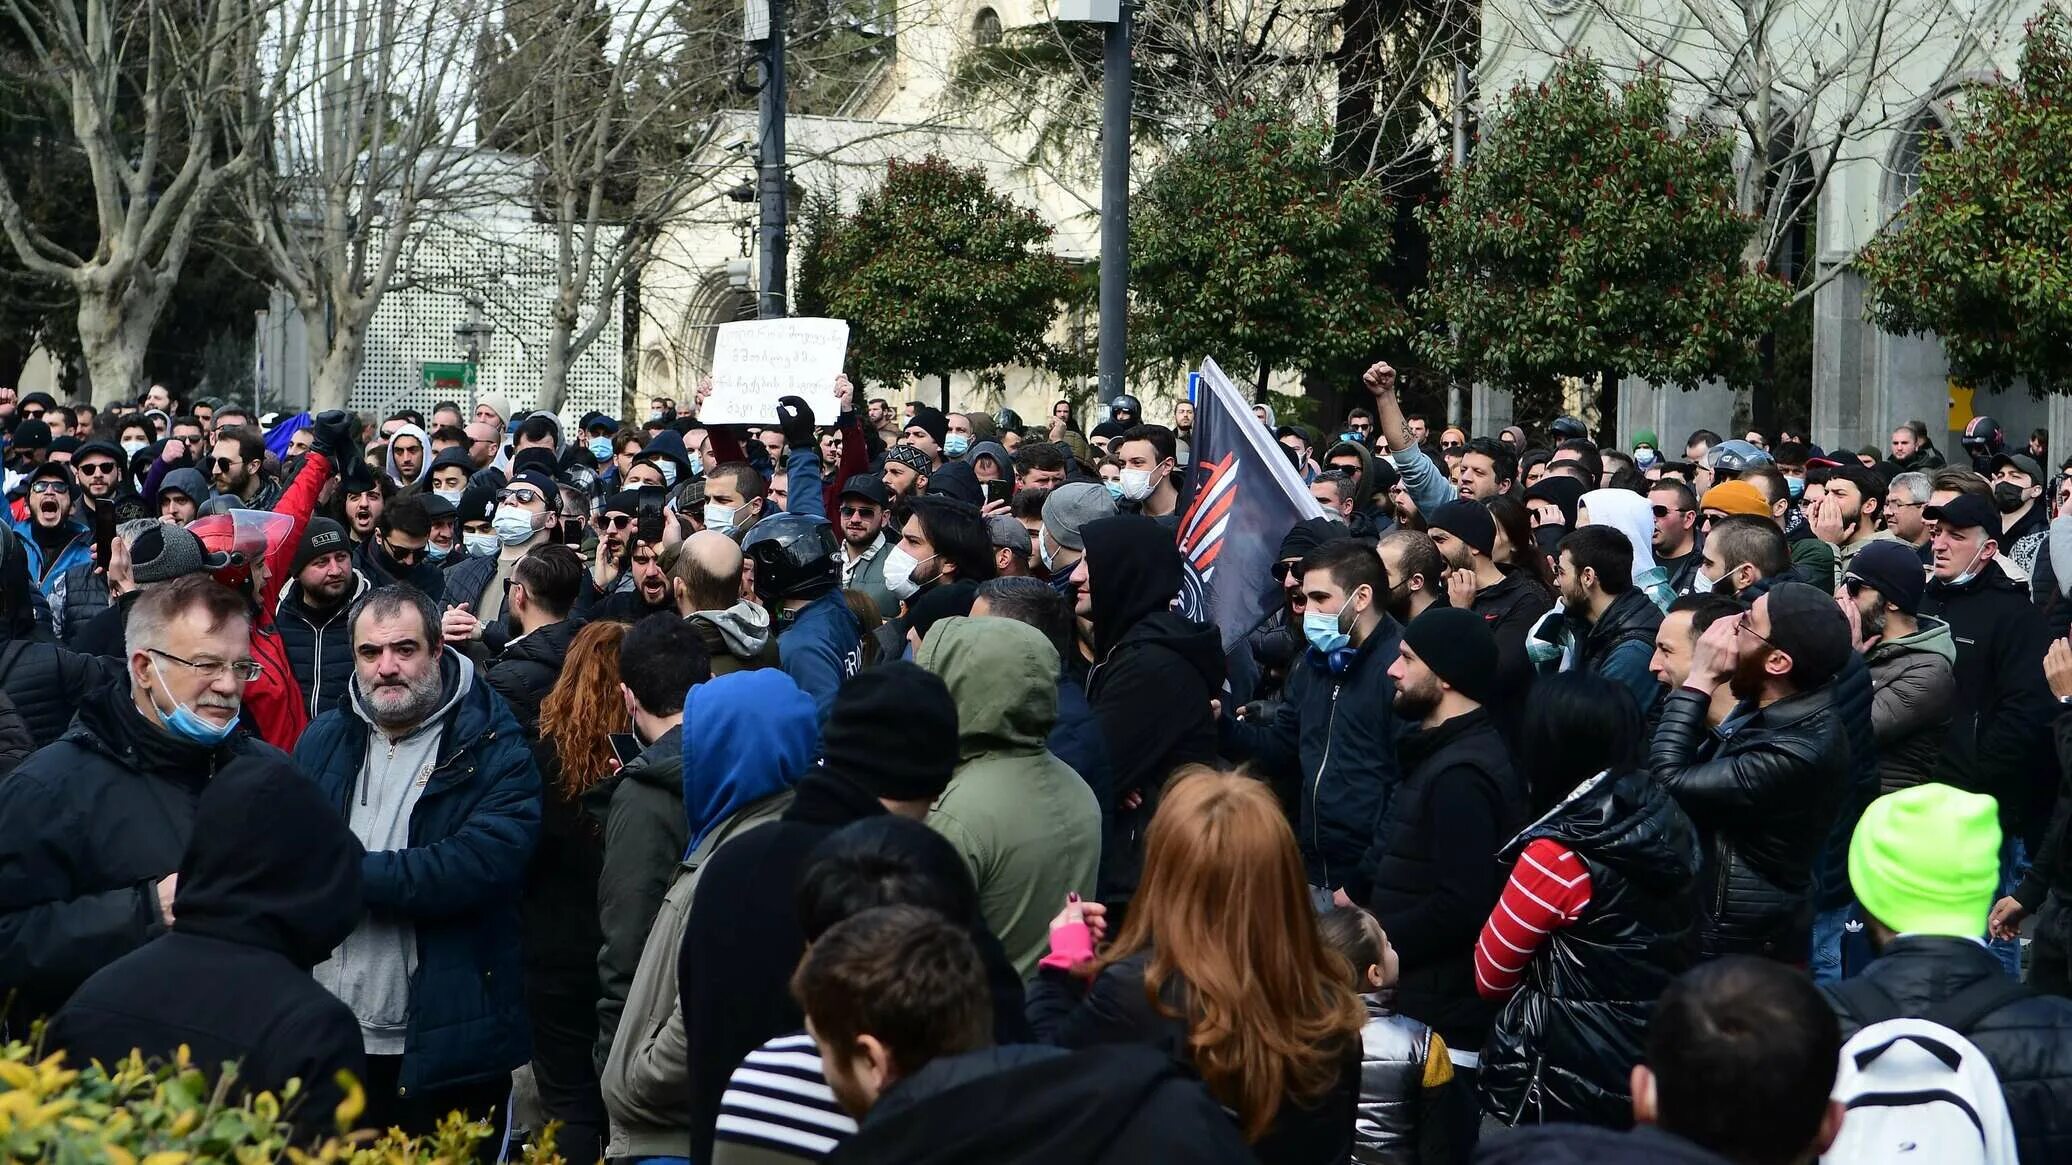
1549, 538
2007, 497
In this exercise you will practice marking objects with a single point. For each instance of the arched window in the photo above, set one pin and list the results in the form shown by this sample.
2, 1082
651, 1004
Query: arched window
985, 28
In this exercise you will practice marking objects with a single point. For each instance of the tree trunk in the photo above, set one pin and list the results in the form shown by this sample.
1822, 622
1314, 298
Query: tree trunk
561, 330
339, 366
114, 328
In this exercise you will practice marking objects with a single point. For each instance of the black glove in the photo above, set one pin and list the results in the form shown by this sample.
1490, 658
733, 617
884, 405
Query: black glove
331, 433
795, 420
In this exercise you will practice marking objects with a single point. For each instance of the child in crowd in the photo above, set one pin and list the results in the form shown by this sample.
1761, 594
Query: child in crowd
1404, 1069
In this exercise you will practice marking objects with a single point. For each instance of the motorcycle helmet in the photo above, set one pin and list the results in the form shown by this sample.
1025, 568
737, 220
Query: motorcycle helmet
1734, 456
794, 557
243, 537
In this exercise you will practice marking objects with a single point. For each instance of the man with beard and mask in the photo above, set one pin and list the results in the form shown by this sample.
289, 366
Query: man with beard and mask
1330, 746
398, 551
1675, 539
862, 508
1154, 674
706, 583
1738, 550
1270, 651
409, 448
269, 884
54, 541
92, 828
1416, 571
311, 614
1612, 620
940, 540
906, 472
1912, 659
2017, 492
430, 770
1433, 882
238, 467
1764, 790
474, 600
797, 581
543, 591
1509, 602
1850, 510
1997, 742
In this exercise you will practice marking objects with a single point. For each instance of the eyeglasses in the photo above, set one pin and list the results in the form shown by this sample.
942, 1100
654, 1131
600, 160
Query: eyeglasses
1892, 505
49, 485
614, 521
859, 511
1743, 625
245, 670
95, 468
1853, 585
524, 495
404, 555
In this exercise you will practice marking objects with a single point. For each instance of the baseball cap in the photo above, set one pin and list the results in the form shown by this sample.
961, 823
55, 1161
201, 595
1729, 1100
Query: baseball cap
2022, 463
1892, 569
868, 486
1964, 512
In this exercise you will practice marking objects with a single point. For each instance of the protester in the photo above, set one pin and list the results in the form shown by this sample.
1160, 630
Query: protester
311, 615
1404, 1068
2046, 888
1219, 962
525, 517
735, 632
425, 763
1911, 657
1763, 797
1024, 822
1609, 621
268, 885
798, 582
1076, 739
1415, 570
1596, 918
1510, 604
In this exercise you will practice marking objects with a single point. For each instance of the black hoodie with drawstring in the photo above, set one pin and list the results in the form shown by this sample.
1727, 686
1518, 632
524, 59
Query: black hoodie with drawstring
1154, 673
270, 883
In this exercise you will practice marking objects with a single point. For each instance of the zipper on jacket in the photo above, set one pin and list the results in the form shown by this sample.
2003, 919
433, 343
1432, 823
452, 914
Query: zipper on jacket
1316, 788
1531, 1096
1719, 881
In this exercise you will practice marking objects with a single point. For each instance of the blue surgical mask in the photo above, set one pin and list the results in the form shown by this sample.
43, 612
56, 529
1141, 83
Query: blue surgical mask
668, 469
1114, 489
697, 464
955, 444
601, 448
479, 544
1797, 486
187, 724
1326, 632
434, 552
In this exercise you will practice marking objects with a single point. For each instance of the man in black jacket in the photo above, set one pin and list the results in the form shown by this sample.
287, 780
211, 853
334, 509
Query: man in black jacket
544, 586
92, 828
1434, 880
1154, 674
1509, 602
269, 885
1998, 743
899, 1007
888, 745
1924, 862
1332, 737
395, 553
1764, 789
311, 615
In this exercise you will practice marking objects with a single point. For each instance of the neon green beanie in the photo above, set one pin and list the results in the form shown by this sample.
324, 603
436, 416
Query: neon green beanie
1926, 860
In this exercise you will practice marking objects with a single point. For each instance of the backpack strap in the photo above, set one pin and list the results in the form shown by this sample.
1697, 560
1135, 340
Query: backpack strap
1962, 1011
1869, 1003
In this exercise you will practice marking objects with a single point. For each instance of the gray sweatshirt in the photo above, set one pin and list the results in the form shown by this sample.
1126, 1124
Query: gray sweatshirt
371, 969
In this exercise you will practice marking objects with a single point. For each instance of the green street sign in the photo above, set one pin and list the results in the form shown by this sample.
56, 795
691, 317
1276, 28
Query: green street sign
445, 376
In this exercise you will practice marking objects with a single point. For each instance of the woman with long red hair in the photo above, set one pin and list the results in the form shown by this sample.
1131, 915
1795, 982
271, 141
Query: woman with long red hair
559, 909
1219, 962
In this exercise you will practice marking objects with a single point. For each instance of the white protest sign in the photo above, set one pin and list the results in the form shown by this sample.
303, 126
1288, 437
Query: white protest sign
755, 362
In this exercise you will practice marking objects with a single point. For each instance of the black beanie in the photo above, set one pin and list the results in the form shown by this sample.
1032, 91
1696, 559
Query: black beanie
1457, 645
893, 730
320, 537
1469, 521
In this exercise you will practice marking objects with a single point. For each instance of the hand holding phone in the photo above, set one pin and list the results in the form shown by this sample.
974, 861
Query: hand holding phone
625, 746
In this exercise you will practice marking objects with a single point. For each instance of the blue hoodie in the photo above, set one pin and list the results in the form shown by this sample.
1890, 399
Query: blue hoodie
746, 735
820, 648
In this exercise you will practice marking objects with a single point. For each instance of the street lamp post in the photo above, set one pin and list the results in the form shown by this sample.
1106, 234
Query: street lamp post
473, 336
1115, 181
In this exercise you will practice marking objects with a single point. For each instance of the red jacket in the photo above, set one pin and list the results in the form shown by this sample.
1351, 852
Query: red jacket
274, 701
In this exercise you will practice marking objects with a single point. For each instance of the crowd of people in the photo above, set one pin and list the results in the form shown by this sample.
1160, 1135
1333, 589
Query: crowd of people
852, 789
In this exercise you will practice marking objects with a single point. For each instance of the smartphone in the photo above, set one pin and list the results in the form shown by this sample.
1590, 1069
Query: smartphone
625, 746
572, 531
994, 491
104, 531
648, 523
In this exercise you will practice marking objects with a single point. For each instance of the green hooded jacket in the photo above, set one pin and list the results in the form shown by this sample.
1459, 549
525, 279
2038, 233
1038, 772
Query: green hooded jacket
1027, 825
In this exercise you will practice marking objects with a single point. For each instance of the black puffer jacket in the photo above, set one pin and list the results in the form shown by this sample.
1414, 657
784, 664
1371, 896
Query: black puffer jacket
48, 684
320, 649
1851, 696
79, 594
1997, 742
527, 669
88, 826
1564, 1046
2028, 1041
1436, 877
1763, 800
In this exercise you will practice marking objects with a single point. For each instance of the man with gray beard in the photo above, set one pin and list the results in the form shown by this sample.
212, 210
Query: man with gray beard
430, 769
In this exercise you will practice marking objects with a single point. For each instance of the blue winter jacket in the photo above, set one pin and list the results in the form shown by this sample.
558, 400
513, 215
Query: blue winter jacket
45, 574
471, 836
821, 648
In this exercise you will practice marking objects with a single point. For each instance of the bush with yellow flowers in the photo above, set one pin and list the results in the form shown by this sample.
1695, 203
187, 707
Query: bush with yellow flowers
134, 1113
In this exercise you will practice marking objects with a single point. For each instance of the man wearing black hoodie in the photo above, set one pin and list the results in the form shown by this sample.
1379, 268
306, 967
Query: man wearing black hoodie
269, 885
1154, 674
898, 1004
888, 745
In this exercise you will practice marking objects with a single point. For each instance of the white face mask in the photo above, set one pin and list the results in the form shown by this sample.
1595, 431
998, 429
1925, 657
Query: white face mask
451, 495
668, 469
1136, 484
479, 543
132, 448
899, 572
720, 518
513, 526
1044, 551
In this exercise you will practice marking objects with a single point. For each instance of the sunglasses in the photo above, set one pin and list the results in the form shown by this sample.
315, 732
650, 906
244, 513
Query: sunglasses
49, 485
1282, 571
1665, 511
859, 511
226, 462
405, 555
523, 495
614, 522
1853, 585
95, 468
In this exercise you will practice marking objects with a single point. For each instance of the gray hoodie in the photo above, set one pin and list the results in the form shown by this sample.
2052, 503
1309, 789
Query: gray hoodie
742, 632
371, 969
424, 464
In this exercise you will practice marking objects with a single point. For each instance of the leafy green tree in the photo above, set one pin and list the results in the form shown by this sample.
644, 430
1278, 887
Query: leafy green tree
1978, 256
1249, 246
938, 273
1585, 236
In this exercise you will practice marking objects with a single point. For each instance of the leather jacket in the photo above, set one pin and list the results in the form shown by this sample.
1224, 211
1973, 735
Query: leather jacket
1763, 790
